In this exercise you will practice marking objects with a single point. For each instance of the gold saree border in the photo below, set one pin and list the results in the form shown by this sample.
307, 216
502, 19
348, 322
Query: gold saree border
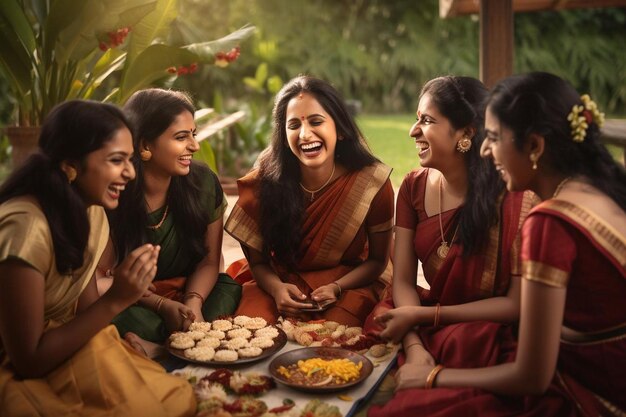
603, 233
352, 213
244, 229
545, 274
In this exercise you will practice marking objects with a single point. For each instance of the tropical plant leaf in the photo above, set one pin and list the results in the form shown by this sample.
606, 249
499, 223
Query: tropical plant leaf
22, 29
152, 26
206, 50
150, 65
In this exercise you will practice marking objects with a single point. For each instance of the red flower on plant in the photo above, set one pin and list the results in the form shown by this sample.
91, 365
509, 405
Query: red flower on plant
222, 59
115, 38
588, 116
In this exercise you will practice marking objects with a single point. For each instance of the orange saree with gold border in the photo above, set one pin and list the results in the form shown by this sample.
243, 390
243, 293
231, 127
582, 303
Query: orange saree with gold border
334, 241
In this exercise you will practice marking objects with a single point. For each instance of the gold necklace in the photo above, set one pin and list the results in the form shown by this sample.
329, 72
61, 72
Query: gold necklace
159, 224
558, 187
444, 248
312, 192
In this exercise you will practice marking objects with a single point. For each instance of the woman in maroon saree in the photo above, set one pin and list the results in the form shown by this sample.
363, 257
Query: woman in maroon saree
571, 350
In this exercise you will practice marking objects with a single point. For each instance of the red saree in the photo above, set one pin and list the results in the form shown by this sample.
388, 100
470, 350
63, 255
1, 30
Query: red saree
334, 242
591, 263
591, 373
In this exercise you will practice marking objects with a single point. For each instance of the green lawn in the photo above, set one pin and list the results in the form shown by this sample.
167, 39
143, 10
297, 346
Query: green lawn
388, 136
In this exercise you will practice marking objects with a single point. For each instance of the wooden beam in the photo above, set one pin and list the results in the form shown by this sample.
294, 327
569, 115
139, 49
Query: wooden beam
496, 40
452, 8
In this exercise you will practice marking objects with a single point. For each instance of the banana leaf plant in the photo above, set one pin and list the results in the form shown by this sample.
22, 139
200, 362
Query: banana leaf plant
55, 50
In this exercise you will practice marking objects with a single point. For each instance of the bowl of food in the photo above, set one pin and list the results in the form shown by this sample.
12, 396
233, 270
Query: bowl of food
320, 369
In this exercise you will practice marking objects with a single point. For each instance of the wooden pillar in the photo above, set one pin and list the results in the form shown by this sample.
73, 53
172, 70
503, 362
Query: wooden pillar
496, 40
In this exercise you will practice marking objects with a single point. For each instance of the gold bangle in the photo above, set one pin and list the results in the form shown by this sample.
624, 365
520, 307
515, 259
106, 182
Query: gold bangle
406, 348
430, 379
193, 294
159, 303
338, 286
437, 310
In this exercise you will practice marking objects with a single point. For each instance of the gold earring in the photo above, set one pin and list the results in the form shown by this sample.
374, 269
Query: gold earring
464, 144
71, 174
145, 155
534, 158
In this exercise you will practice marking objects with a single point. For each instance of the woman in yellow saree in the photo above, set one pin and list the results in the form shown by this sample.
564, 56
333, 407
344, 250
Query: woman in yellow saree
57, 354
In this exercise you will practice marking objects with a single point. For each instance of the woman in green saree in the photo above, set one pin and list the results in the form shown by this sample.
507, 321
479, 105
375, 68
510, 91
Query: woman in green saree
178, 204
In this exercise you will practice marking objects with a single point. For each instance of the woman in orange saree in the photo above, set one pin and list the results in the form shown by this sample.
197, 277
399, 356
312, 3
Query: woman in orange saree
571, 347
315, 219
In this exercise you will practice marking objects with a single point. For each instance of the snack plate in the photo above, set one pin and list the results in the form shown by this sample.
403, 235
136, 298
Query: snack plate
293, 356
279, 342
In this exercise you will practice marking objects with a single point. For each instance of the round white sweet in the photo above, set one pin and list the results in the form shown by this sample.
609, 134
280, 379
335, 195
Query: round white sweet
181, 341
222, 325
196, 334
269, 331
226, 356
262, 342
255, 323
202, 326
245, 333
218, 334
241, 320
250, 352
205, 353
209, 341
236, 343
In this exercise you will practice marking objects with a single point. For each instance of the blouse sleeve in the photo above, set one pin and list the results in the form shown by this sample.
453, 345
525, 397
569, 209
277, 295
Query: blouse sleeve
215, 200
24, 235
380, 216
406, 215
548, 250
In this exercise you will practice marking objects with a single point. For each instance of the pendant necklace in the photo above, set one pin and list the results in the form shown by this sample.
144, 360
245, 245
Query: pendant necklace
444, 248
159, 224
558, 187
312, 192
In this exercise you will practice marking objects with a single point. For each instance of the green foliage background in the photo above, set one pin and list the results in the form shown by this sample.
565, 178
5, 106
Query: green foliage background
381, 52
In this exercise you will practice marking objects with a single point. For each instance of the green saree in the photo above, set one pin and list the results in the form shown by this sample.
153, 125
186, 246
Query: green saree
175, 264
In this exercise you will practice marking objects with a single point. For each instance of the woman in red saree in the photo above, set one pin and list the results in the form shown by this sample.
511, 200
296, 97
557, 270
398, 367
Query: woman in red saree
315, 219
455, 217
571, 346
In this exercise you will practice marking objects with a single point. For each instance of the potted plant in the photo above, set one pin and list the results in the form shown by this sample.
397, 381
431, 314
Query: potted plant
56, 50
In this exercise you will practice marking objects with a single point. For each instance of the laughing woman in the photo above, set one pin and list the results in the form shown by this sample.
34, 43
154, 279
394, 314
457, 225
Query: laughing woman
176, 203
571, 349
58, 357
315, 219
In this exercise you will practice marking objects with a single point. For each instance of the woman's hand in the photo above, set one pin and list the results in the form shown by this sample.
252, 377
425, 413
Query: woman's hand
325, 294
397, 322
417, 355
286, 296
412, 376
134, 275
177, 316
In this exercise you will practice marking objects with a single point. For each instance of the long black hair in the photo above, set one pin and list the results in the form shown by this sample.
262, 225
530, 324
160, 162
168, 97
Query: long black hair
71, 131
539, 103
281, 199
462, 101
151, 112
